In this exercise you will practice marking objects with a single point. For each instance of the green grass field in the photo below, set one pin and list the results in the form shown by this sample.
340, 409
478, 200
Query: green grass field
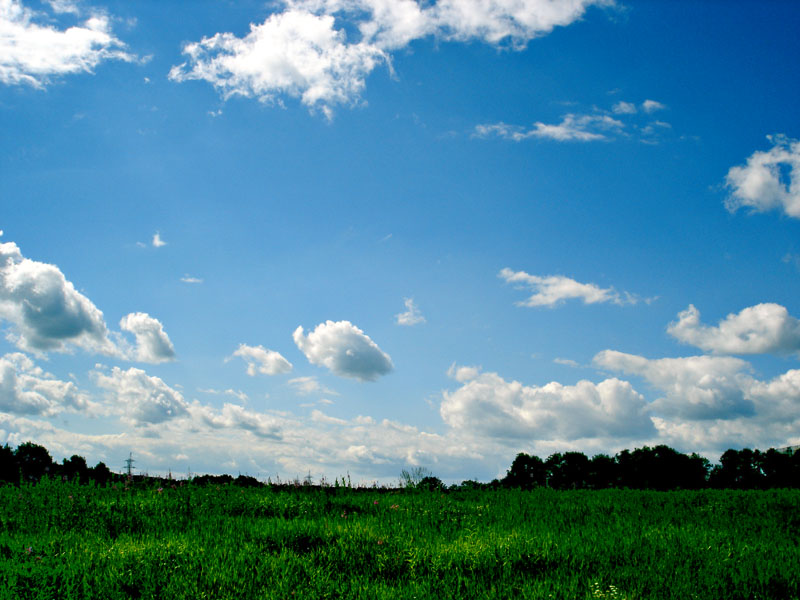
62, 540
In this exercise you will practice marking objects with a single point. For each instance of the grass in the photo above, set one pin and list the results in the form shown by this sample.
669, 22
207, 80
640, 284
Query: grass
62, 540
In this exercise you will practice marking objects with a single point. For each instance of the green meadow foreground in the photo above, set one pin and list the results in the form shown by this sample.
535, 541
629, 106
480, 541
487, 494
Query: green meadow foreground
63, 540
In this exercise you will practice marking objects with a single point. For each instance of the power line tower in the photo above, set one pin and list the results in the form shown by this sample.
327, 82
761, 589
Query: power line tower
129, 465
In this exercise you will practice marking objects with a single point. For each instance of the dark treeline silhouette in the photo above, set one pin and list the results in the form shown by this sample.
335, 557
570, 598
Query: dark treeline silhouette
656, 468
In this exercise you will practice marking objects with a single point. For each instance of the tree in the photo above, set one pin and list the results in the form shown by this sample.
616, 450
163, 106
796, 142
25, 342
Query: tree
75, 468
34, 461
569, 470
526, 472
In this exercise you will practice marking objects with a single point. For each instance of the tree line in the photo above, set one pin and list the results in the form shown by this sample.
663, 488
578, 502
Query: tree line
652, 468
656, 468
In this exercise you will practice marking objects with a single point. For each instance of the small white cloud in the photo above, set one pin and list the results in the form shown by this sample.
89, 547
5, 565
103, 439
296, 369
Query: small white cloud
47, 312
412, 315
309, 385
624, 108
157, 241
152, 342
754, 330
769, 180
189, 279
262, 360
139, 398
554, 289
345, 350
462, 374
651, 106
32, 53
573, 128
567, 362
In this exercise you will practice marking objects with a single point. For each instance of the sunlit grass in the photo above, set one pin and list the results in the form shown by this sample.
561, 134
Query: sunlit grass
62, 540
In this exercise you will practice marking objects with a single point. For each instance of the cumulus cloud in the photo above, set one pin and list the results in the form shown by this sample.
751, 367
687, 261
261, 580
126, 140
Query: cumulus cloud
554, 289
306, 386
754, 330
46, 310
769, 180
573, 128
694, 387
25, 389
152, 343
489, 405
321, 51
624, 108
139, 398
33, 52
294, 53
345, 350
412, 314
261, 360
157, 241
651, 106
233, 416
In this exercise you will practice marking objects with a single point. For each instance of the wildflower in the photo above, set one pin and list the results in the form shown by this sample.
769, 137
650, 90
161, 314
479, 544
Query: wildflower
159, 490
376, 502
344, 514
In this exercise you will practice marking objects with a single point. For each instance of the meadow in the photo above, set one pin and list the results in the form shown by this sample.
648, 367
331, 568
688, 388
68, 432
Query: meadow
63, 540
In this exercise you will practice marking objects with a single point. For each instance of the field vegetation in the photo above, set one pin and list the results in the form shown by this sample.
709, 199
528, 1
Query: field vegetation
220, 537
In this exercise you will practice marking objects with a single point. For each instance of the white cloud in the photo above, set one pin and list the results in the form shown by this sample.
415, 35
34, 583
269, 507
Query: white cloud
554, 289
309, 385
491, 406
412, 315
152, 343
462, 374
294, 53
239, 394
567, 362
235, 417
345, 350
157, 241
573, 128
33, 53
769, 180
624, 108
47, 312
26, 389
754, 330
139, 398
651, 106
262, 360
695, 387
189, 279
304, 51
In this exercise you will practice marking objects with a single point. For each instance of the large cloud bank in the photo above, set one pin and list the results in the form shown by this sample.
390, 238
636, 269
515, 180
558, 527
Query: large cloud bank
305, 52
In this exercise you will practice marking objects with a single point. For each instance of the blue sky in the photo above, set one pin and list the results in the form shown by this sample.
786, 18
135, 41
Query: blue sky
358, 236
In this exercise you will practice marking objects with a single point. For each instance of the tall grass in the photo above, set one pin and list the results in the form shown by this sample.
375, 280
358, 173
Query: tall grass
62, 540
